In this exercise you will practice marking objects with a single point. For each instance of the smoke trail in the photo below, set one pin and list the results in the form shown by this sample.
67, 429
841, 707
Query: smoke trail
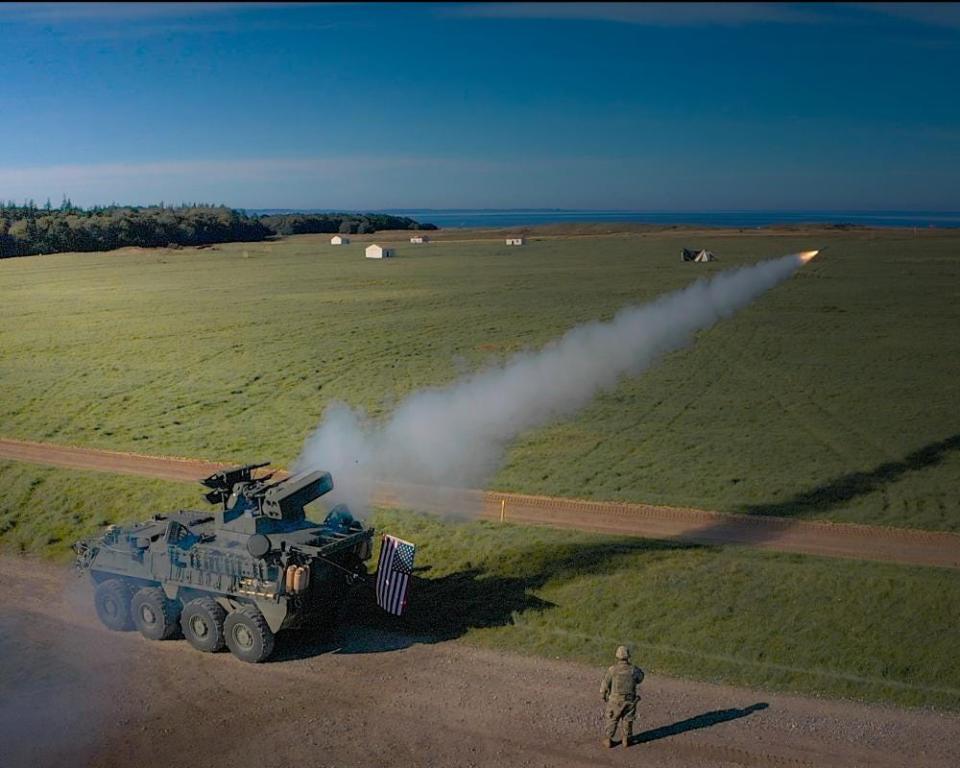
455, 436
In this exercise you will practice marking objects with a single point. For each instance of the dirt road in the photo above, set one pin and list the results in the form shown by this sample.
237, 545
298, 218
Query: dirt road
698, 526
75, 694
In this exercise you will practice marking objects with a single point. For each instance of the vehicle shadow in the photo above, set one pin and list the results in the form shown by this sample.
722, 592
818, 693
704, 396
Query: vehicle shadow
448, 606
440, 609
706, 720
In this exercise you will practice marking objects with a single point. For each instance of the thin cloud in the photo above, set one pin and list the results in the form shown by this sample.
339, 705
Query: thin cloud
209, 26
654, 181
226, 169
650, 14
930, 14
121, 21
276, 182
47, 13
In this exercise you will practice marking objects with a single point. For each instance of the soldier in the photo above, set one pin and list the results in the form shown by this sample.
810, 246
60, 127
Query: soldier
620, 694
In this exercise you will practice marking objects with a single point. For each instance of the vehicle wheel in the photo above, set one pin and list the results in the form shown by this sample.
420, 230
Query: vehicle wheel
247, 634
112, 600
154, 614
202, 624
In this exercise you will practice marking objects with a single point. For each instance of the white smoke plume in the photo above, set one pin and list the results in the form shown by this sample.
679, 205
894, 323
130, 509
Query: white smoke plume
455, 436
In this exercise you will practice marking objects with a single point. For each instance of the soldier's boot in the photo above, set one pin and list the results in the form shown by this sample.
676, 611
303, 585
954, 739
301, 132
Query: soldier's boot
627, 734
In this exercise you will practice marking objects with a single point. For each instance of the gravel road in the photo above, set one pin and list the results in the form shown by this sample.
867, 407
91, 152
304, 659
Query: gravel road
693, 525
75, 694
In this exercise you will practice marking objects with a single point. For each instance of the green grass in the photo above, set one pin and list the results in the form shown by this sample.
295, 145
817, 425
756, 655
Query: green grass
834, 396
44, 510
817, 626
860, 630
831, 397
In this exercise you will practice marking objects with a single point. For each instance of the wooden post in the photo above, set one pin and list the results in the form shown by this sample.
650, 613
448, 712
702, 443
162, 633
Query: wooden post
503, 504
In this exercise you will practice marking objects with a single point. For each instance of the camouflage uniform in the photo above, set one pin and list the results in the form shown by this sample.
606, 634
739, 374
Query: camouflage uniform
619, 691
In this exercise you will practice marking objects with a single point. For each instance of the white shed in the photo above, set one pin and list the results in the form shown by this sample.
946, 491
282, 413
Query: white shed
419, 239
378, 252
515, 241
339, 240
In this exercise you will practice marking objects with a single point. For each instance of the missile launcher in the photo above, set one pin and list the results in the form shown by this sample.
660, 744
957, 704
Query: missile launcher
233, 576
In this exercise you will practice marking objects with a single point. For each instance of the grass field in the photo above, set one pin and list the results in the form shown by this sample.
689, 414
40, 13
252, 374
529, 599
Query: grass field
834, 396
834, 627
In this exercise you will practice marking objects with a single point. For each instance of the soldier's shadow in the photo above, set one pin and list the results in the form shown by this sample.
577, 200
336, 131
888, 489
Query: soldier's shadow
446, 607
706, 720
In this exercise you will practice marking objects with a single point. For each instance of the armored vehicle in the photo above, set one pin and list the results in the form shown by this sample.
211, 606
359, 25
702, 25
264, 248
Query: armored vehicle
236, 576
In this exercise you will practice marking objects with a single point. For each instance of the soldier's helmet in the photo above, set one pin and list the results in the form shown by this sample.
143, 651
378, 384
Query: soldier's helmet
623, 653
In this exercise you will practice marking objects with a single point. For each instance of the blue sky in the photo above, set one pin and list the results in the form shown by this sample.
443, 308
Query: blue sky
646, 107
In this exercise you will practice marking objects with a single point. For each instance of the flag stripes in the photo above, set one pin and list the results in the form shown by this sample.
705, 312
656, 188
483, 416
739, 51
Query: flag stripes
393, 574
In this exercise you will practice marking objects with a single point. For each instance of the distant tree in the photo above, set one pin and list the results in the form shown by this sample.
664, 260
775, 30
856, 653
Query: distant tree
75, 229
26, 230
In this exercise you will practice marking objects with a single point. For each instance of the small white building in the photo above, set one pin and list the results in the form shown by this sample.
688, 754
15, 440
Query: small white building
515, 241
339, 240
419, 239
378, 252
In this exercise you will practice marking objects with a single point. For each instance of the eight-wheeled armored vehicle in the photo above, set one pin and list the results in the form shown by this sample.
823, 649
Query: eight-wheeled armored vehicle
236, 576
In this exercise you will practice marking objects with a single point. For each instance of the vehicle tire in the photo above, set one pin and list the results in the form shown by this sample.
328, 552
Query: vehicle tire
154, 614
202, 624
247, 634
112, 601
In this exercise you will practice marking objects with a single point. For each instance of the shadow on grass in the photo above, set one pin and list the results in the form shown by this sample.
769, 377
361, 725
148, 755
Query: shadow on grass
706, 720
446, 607
850, 486
781, 516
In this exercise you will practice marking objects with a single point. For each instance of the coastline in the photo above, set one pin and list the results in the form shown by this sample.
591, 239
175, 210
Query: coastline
633, 229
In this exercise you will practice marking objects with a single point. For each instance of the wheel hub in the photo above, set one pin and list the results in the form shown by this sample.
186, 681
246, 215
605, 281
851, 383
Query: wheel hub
243, 637
199, 626
147, 614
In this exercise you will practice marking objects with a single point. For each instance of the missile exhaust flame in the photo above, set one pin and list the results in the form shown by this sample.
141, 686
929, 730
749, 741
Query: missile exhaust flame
807, 256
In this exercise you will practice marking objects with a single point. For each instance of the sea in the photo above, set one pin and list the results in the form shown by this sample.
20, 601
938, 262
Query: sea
529, 217
513, 217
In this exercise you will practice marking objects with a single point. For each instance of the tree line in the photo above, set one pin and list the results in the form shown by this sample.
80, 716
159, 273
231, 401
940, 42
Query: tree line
30, 229
344, 223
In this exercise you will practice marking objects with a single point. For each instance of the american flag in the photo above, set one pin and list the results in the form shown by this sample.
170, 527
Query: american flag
393, 574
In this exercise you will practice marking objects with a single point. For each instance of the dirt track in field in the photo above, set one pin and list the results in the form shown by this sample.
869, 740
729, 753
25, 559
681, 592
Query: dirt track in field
692, 525
75, 694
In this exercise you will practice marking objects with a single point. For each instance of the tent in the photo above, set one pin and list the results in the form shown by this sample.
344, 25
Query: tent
378, 252
697, 254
